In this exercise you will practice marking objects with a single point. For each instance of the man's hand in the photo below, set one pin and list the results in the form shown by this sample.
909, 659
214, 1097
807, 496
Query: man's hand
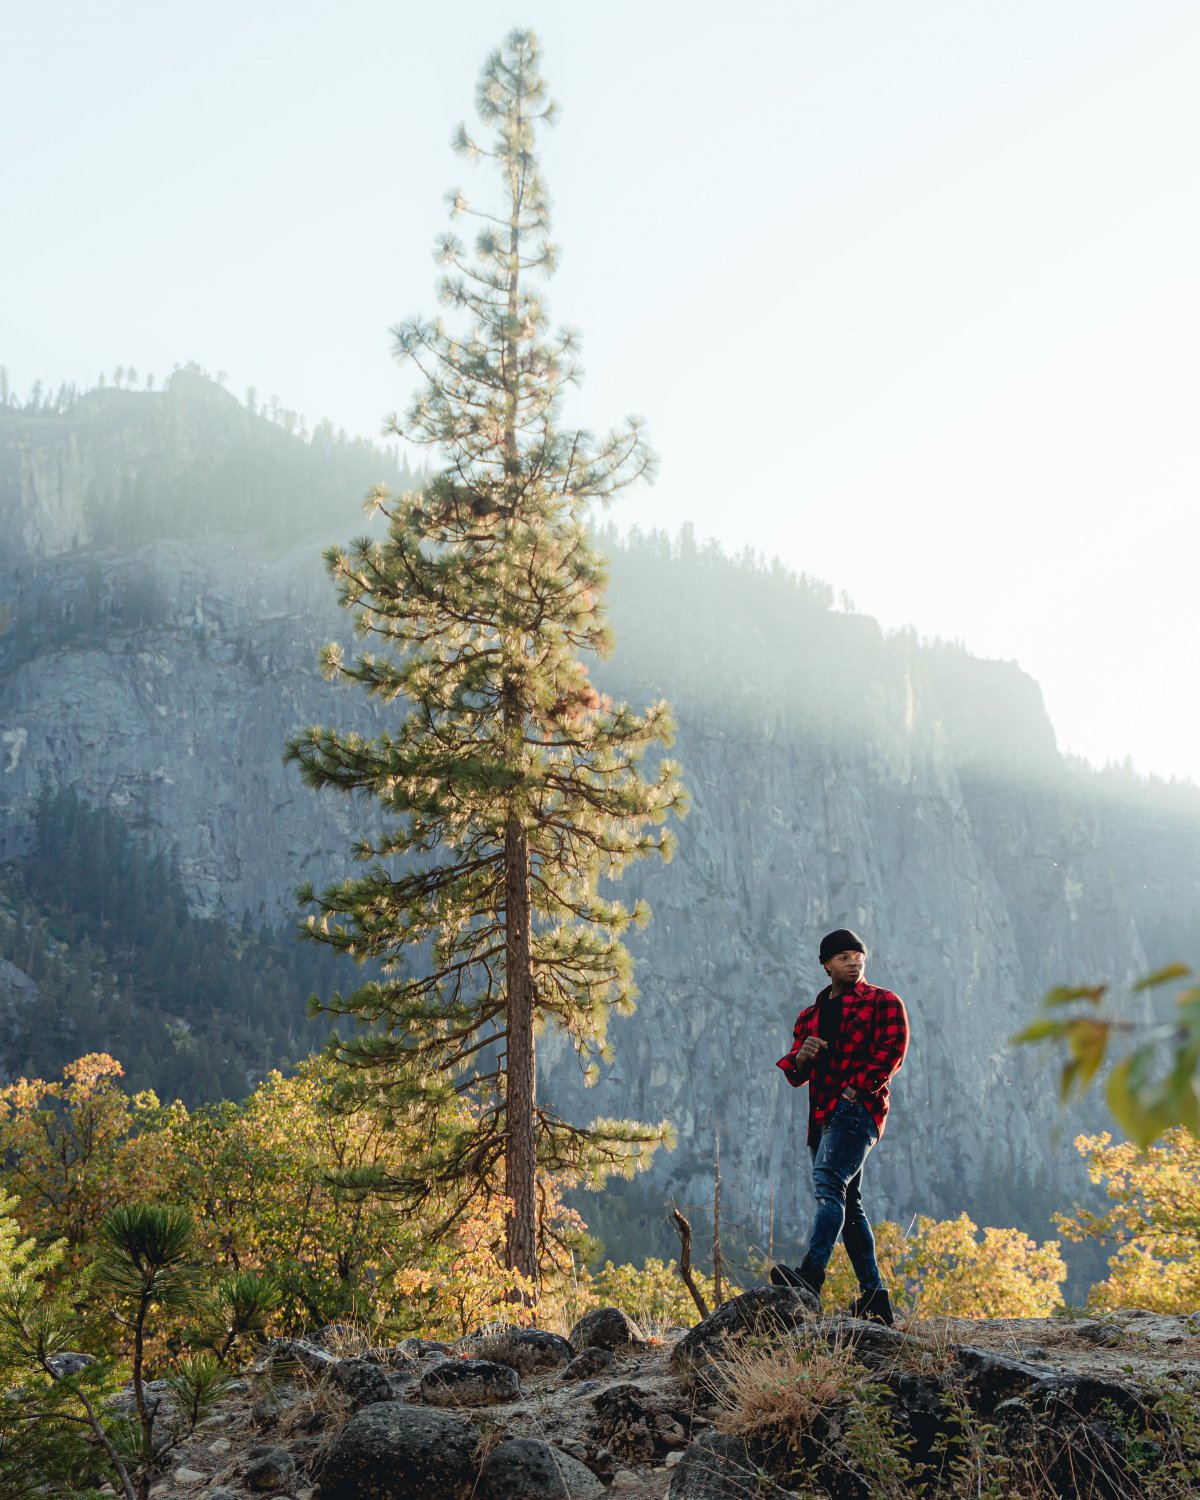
809, 1048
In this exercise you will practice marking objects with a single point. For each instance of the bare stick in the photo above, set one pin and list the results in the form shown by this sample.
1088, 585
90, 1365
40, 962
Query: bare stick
771, 1225
684, 1231
718, 1261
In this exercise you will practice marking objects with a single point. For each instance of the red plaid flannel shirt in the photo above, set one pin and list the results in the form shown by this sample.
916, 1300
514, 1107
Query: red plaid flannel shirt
871, 1046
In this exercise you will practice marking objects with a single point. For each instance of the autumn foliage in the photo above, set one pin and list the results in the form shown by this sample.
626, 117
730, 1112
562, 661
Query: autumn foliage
951, 1268
1153, 1223
279, 1183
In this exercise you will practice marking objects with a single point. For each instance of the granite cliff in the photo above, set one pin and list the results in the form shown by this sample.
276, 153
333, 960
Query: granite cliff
161, 582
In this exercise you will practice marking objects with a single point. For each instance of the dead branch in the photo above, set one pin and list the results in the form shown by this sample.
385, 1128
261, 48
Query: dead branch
684, 1231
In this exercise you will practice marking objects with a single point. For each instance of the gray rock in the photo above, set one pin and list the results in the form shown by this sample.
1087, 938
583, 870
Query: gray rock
159, 1397
1082, 1428
989, 1378
527, 1350
69, 1363
220, 1493
529, 1469
470, 1382
874, 1345
1103, 1334
271, 1405
393, 1451
1155, 1328
589, 1362
395, 1358
362, 1382
626, 1421
762, 1310
606, 1328
278, 1354
271, 1472
420, 1348
719, 1467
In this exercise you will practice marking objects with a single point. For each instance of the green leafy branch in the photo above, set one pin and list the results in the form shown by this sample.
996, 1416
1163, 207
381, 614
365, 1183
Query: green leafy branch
1152, 1085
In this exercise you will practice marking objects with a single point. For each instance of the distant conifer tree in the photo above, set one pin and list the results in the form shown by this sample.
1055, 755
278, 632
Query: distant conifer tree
511, 787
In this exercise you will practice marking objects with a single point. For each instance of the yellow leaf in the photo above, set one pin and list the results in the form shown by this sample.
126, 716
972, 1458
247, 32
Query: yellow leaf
1065, 994
1162, 976
1038, 1031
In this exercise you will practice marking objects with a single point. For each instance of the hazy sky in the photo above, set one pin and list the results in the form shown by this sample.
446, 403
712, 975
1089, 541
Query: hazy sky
907, 291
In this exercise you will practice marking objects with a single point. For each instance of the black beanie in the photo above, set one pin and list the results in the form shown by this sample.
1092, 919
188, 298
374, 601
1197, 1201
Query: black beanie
841, 941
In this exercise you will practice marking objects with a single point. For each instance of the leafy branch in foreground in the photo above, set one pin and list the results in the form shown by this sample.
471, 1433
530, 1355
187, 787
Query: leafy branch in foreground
1152, 1085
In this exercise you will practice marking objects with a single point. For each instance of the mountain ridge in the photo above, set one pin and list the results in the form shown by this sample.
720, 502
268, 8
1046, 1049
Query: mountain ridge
839, 776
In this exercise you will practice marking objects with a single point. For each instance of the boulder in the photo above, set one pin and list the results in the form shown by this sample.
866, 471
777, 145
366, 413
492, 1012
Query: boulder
362, 1381
416, 1348
606, 1328
279, 1354
718, 1467
878, 1347
921, 1412
68, 1363
396, 1357
589, 1362
470, 1382
626, 1423
271, 1472
529, 1469
989, 1378
393, 1451
762, 1310
527, 1350
1081, 1428
1104, 1334
160, 1398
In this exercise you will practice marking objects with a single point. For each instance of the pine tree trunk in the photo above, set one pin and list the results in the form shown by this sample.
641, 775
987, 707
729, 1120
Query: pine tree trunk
520, 1160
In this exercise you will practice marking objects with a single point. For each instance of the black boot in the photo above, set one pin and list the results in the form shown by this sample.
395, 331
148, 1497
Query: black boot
811, 1280
875, 1306
781, 1275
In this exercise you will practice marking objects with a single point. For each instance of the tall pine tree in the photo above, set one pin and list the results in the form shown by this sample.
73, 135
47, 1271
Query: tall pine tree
510, 786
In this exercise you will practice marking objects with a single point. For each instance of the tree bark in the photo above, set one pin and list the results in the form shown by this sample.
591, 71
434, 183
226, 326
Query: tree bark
520, 1157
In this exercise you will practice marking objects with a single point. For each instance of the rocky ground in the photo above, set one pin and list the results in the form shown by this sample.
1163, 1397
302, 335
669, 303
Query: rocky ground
526, 1415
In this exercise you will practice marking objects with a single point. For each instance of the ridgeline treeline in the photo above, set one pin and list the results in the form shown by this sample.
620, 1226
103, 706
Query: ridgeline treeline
194, 1008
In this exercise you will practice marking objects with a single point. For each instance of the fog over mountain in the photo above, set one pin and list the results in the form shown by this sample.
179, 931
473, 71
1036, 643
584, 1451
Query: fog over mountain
164, 597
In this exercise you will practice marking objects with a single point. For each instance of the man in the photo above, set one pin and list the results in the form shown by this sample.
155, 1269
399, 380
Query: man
847, 1046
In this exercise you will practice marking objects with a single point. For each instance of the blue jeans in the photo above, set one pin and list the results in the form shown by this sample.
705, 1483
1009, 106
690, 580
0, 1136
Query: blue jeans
838, 1160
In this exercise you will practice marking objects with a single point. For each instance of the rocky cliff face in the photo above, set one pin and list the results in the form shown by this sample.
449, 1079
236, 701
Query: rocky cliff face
837, 776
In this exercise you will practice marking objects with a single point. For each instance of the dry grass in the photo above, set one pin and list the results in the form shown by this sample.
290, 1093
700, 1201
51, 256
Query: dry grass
350, 1340
319, 1407
778, 1390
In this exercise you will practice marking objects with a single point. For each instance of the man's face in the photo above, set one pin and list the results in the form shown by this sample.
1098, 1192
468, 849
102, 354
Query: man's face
847, 968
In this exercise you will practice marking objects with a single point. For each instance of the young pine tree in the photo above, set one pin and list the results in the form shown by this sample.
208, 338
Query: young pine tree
511, 787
